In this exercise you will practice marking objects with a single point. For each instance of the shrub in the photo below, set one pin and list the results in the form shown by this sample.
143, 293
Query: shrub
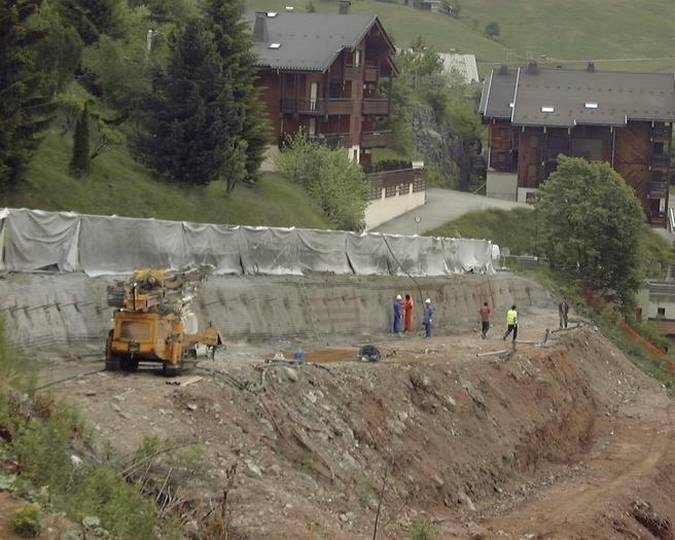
422, 529
26, 521
337, 184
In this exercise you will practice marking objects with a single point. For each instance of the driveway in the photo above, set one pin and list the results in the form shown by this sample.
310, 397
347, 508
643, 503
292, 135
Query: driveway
442, 205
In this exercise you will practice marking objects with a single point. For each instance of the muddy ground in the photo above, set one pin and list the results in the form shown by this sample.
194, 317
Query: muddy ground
554, 441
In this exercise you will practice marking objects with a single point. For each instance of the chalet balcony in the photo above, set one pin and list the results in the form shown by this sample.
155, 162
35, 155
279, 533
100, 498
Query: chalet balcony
660, 133
660, 161
316, 107
657, 189
339, 106
332, 140
371, 74
352, 73
376, 139
376, 106
303, 106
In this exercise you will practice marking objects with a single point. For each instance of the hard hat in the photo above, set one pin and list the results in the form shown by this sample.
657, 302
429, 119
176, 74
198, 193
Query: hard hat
398, 297
427, 301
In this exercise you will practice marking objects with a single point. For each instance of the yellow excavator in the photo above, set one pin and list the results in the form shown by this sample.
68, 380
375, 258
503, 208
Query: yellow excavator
153, 322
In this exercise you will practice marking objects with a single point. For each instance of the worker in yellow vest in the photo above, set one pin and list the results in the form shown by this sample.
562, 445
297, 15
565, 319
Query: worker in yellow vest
511, 323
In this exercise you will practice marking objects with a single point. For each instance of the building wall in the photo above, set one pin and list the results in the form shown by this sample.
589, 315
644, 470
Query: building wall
269, 83
385, 208
501, 185
502, 151
530, 157
632, 150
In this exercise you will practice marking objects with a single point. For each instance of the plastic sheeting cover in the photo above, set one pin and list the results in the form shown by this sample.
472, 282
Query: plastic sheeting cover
99, 245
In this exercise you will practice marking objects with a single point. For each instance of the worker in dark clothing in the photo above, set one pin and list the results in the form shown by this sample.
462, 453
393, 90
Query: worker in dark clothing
398, 308
511, 323
428, 315
563, 310
485, 313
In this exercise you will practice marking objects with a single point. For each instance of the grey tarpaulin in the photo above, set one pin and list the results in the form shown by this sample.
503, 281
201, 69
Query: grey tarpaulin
265, 250
212, 245
323, 251
98, 245
368, 254
114, 245
36, 240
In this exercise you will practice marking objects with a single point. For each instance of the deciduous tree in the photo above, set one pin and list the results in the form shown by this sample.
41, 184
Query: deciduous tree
591, 220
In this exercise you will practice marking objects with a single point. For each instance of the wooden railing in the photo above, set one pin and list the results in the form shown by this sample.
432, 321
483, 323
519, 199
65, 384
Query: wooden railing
332, 140
376, 139
377, 106
317, 106
396, 182
657, 189
371, 74
352, 73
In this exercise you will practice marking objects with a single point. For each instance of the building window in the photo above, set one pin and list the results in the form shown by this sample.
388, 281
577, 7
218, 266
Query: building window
661, 312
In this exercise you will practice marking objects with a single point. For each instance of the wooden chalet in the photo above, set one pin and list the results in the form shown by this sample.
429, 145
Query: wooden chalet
534, 114
327, 74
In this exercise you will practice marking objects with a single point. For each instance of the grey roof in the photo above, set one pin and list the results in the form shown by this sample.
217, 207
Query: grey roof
582, 97
309, 41
497, 94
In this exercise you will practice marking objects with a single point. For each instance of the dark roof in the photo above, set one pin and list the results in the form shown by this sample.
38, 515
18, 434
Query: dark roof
310, 41
498, 94
580, 97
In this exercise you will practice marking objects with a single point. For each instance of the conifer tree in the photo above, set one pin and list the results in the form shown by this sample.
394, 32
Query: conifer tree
25, 99
79, 163
91, 18
188, 122
235, 47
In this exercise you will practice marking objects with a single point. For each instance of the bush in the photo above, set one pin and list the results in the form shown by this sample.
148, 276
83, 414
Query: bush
422, 529
337, 184
388, 165
26, 521
492, 30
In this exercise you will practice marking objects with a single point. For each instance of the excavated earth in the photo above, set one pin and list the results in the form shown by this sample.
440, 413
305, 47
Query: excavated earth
562, 439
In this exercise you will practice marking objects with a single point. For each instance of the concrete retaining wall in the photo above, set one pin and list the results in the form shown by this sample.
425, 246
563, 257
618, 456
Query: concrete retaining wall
61, 311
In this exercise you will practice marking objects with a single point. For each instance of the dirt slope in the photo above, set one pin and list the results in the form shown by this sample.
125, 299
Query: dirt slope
554, 442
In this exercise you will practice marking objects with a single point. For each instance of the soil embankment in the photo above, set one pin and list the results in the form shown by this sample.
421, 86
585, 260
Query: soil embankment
558, 441
565, 440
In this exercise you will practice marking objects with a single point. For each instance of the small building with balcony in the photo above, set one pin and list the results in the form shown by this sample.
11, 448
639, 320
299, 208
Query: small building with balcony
328, 75
535, 114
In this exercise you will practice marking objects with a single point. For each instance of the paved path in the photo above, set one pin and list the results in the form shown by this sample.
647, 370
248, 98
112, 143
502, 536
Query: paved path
442, 205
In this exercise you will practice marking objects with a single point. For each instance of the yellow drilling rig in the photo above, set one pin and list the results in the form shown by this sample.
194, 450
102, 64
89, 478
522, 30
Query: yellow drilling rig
153, 321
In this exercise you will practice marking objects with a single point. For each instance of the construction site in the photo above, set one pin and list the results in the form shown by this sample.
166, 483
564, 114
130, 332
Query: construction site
555, 435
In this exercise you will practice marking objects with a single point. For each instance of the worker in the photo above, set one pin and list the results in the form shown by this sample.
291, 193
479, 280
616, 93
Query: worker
563, 310
511, 323
428, 314
398, 306
485, 313
408, 306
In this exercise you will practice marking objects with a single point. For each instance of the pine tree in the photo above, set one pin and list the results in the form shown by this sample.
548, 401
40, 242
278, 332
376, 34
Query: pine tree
91, 18
235, 46
25, 99
79, 163
188, 121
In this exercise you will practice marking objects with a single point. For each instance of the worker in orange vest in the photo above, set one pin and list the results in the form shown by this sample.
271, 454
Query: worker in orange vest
408, 306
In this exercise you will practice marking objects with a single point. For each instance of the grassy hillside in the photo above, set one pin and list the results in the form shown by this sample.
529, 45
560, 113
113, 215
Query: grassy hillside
119, 185
563, 31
